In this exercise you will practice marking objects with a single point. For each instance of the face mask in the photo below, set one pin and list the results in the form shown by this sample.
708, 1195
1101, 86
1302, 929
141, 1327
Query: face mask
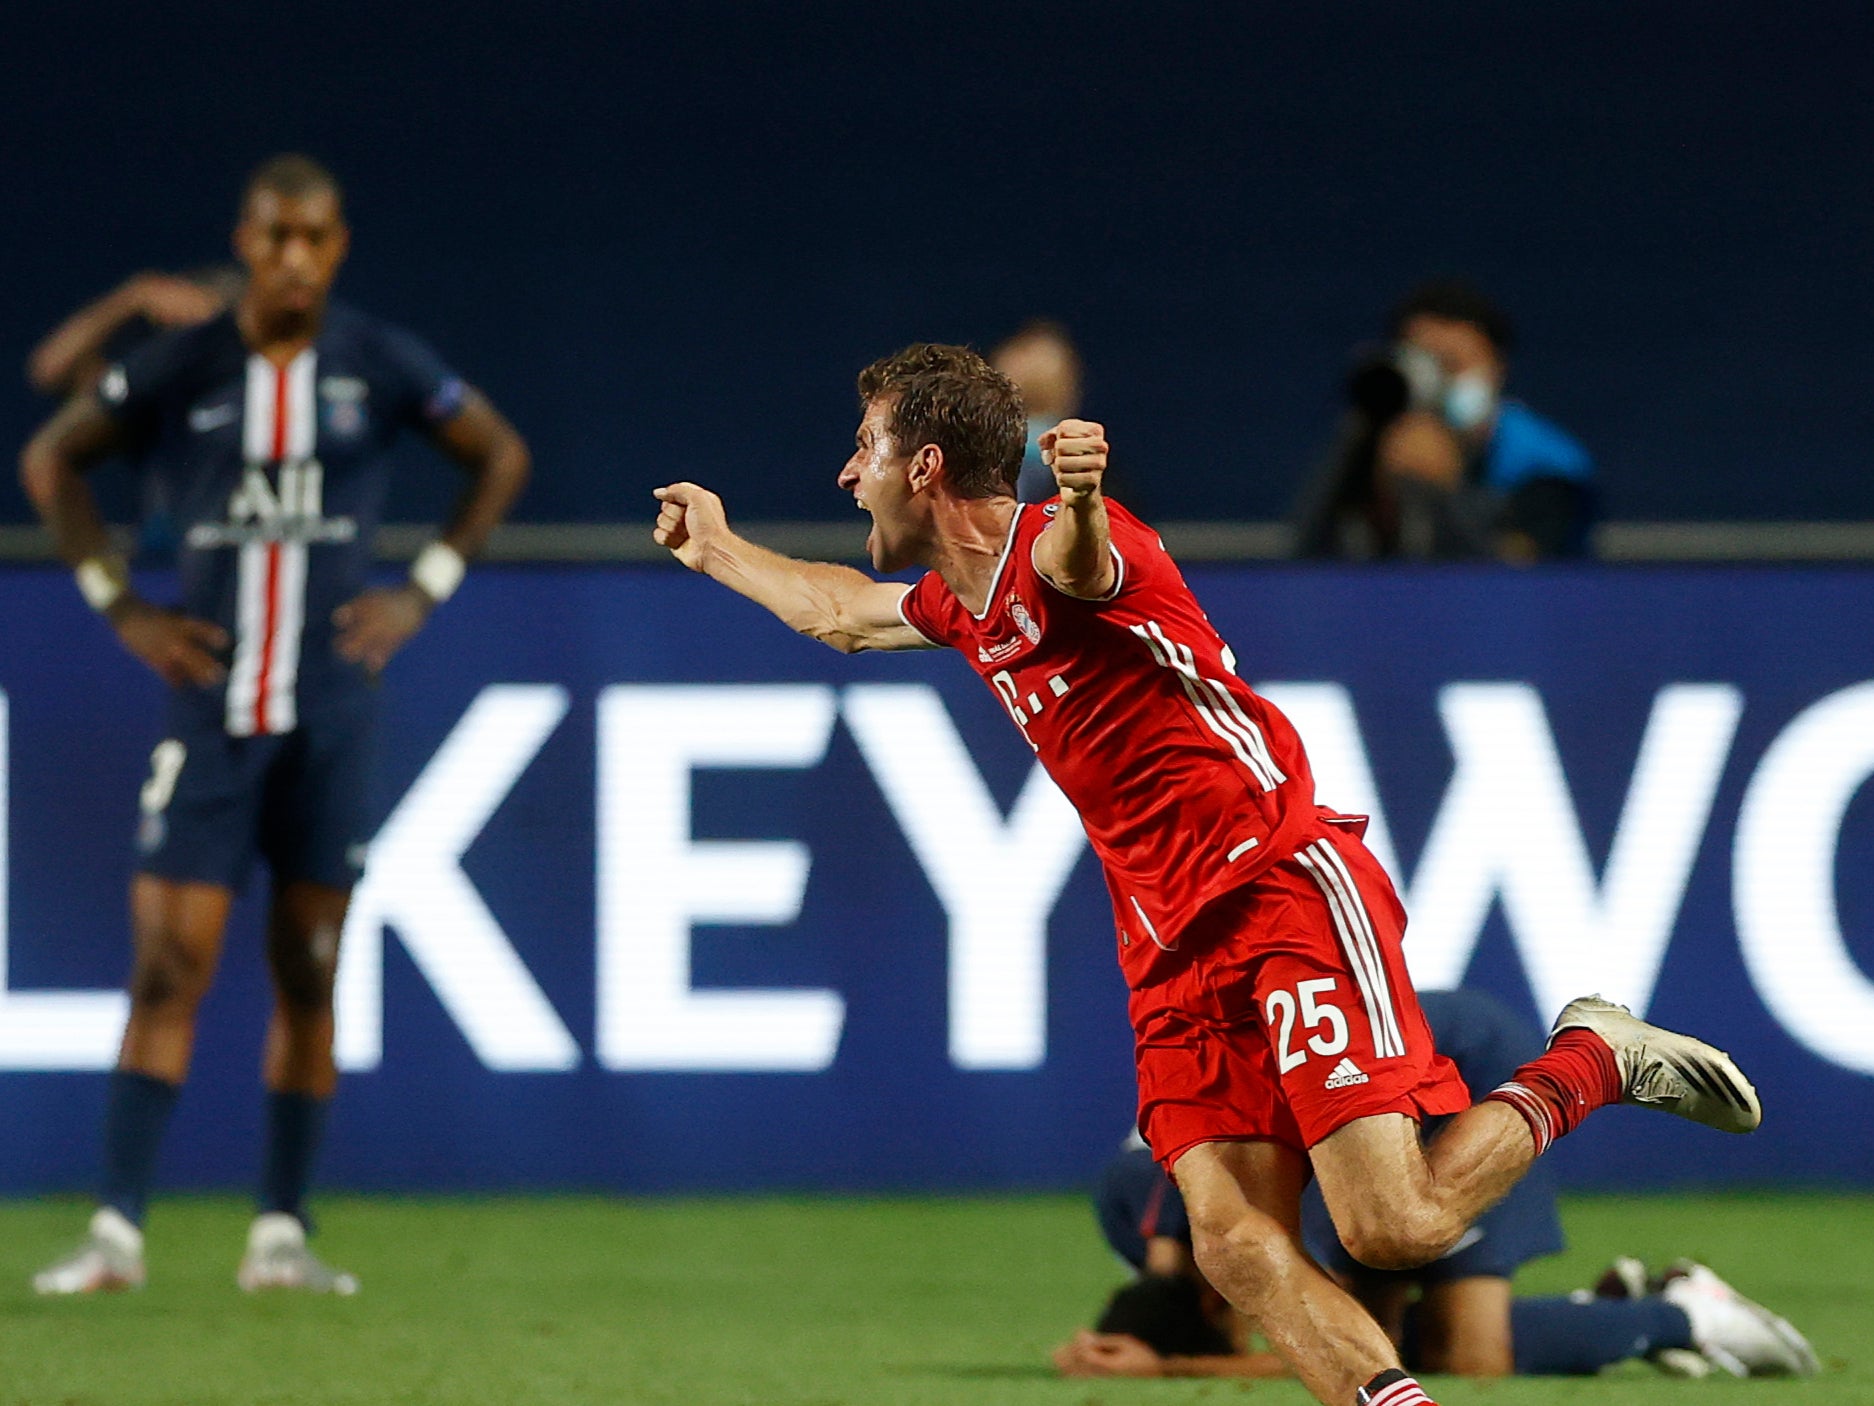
1469, 401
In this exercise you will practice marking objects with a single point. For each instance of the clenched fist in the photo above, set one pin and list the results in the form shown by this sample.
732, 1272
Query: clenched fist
1076, 451
689, 523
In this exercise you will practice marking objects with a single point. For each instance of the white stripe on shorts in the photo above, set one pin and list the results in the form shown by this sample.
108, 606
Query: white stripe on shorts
1357, 940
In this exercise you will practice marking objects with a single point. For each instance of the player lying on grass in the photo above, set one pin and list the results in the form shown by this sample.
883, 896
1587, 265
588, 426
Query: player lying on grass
1276, 1030
1454, 1315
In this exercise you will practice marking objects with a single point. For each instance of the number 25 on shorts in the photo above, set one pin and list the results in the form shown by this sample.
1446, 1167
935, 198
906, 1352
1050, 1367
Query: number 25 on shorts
1280, 1009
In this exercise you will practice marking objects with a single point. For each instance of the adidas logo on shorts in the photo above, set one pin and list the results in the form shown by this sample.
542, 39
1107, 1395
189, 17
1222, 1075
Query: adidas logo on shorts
1345, 1073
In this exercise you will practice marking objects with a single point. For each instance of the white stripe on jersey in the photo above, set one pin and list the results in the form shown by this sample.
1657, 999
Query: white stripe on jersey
1230, 722
1151, 931
250, 621
257, 412
1215, 704
1357, 940
279, 430
288, 628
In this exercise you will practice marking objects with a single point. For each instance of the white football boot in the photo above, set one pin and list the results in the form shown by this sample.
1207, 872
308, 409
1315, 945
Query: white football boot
1665, 1070
277, 1258
1734, 1333
1626, 1278
111, 1258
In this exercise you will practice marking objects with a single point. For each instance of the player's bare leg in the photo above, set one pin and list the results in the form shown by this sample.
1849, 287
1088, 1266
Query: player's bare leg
1464, 1327
1397, 1203
1244, 1201
177, 930
303, 930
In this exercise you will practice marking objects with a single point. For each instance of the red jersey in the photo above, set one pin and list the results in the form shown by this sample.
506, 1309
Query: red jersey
1188, 783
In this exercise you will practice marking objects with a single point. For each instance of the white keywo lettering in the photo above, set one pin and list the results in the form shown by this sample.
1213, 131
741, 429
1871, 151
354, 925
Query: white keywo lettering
998, 878
415, 885
1507, 831
657, 882
50, 1029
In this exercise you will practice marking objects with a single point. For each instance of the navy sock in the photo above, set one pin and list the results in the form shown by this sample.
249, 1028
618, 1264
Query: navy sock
295, 1128
136, 1111
1559, 1337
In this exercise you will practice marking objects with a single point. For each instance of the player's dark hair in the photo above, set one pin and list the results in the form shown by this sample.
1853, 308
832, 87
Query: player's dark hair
952, 398
292, 175
1165, 1312
1457, 301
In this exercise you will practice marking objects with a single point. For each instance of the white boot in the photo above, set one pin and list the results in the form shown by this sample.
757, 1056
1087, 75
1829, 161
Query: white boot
277, 1258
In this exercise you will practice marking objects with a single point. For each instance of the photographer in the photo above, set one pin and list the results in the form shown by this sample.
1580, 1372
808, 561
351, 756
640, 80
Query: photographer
1432, 462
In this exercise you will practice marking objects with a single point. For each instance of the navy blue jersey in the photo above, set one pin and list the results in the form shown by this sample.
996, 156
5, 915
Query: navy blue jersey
276, 477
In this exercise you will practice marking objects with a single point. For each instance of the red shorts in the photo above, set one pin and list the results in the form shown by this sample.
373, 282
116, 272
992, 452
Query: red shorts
1294, 1014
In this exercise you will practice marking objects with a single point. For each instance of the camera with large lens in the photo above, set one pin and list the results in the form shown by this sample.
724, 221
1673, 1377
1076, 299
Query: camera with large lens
1388, 381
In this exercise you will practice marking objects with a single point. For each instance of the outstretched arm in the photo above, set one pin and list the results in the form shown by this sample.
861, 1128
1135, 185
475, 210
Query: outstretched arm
836, 605
70, 358
1075, 551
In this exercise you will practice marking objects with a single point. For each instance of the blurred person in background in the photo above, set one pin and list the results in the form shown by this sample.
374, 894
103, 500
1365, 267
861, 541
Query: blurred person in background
71, 358
270, 423
1454, 1315
1041, 360
1433, 462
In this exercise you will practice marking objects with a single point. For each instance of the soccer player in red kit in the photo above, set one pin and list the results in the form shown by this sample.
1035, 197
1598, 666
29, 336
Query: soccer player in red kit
1277, 1032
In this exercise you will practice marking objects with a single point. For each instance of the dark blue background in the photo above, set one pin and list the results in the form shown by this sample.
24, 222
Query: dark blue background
891, 1111
665, 236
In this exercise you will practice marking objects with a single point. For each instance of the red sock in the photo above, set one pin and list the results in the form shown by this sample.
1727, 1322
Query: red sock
1555, 1091
1392, 1388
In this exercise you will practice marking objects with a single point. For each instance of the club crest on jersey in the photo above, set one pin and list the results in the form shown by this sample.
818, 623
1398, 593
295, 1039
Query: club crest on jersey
344, 398
1030, 634
1023, 620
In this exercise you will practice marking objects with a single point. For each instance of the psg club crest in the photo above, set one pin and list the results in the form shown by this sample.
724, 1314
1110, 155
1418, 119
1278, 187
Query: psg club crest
344, 405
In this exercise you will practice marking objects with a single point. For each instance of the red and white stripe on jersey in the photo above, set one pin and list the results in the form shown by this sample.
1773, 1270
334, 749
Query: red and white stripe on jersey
279, 428
1219, 708
1355, 930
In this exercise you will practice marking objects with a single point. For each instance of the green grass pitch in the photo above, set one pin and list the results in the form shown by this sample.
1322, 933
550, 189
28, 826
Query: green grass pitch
781, 1302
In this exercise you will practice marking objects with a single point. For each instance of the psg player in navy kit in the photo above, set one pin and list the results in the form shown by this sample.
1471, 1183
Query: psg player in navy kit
270, 424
